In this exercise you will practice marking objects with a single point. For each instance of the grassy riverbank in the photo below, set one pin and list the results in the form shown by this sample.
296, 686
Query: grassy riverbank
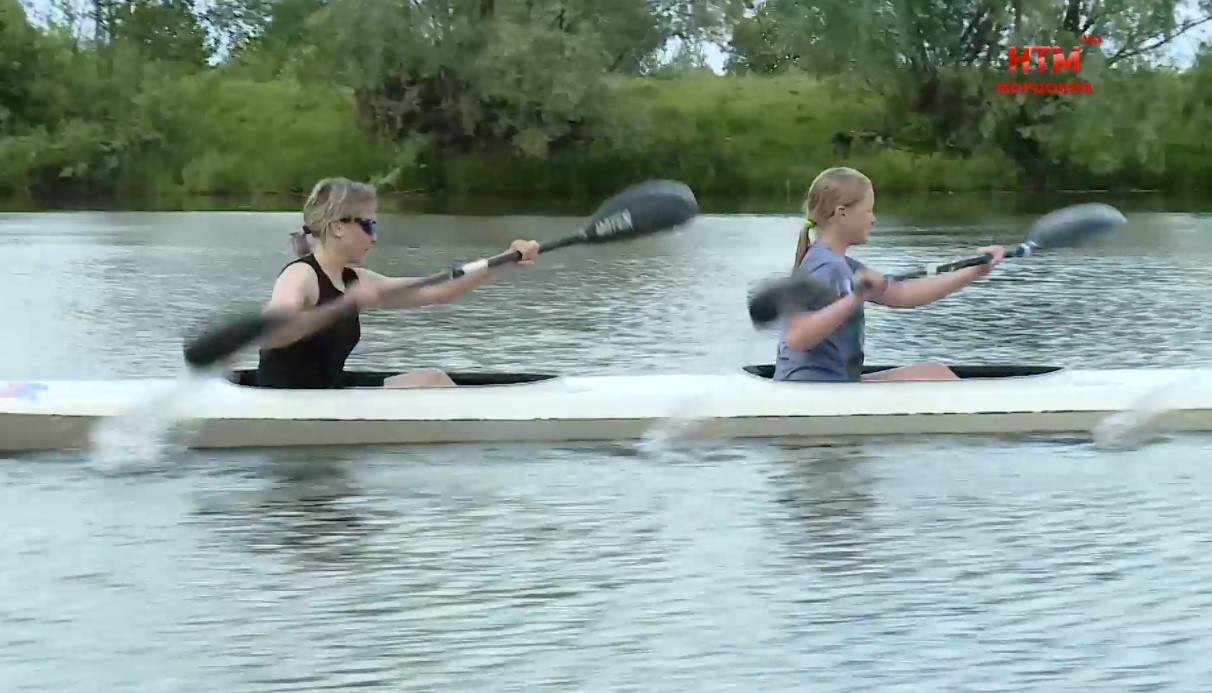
144, 100
224, 134
212, 134
731, 135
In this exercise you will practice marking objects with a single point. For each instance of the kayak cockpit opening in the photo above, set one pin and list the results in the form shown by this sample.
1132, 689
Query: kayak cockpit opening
964, 372
357, 379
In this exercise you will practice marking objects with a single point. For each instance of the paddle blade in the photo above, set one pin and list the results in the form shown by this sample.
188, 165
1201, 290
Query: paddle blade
645, 208
220, 343
778, 298
1074, 226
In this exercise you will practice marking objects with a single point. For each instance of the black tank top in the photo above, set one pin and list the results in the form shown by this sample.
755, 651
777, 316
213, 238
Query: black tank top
318, 360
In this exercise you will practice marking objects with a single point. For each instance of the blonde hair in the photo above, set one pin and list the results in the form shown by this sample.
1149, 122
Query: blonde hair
330, 201
840, 186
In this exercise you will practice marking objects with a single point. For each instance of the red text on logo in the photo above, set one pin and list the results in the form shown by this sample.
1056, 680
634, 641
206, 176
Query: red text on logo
1044, 88
1048, 56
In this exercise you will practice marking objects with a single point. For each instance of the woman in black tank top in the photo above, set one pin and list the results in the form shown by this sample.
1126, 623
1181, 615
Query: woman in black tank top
338, 231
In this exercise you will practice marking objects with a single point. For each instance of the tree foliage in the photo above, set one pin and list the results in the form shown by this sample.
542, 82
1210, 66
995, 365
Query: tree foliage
112, 95
942, 59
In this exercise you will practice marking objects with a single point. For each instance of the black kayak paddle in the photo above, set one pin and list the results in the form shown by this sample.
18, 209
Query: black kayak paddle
639, 210
1068, 227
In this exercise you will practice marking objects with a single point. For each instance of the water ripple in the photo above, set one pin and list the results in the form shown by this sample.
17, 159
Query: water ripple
957, 564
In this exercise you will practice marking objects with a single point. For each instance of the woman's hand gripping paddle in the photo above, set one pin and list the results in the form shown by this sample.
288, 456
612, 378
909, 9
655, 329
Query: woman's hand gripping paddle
642, 209
1068, 227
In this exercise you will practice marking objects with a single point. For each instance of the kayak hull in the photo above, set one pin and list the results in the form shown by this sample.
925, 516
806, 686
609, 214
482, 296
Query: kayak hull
497, 408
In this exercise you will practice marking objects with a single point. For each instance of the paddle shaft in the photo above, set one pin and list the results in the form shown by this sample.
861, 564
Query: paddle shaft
479, 266
1068, 227
347, 306
1022, 250
1063, 227
640, 210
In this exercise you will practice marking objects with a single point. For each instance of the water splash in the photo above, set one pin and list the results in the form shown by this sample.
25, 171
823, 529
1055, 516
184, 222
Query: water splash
1139, 424
682, 423
1127, 430
146, 435
689, 414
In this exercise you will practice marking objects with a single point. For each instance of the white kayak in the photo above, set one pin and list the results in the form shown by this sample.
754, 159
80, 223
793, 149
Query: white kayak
487, 407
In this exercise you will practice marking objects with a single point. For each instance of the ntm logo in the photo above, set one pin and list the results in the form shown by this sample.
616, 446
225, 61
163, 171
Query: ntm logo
1045, 59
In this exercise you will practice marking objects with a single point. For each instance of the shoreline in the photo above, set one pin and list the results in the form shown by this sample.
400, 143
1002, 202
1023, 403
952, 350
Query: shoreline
582, 205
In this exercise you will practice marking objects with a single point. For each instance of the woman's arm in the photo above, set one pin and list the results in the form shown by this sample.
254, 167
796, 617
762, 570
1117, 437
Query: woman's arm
426, 295
445, 292
920, 292
806, 330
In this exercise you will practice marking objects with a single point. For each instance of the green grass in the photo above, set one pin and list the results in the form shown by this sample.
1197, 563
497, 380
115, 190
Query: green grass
731, 136
228, 135
273, 137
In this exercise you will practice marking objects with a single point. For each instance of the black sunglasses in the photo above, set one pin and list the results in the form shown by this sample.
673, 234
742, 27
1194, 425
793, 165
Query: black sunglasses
368, 225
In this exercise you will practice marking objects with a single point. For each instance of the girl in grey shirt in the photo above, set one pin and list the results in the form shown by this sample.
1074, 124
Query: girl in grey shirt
827, 344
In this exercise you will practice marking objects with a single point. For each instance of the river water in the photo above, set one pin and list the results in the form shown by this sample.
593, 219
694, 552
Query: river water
956, 564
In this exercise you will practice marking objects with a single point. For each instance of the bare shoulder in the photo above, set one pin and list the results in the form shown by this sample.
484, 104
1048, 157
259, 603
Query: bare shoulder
369, 275
300, 273
296, 287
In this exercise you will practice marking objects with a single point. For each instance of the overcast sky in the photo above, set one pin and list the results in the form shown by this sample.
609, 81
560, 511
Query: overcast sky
1182, 49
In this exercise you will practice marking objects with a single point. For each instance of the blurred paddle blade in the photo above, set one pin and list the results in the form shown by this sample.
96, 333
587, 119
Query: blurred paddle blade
783, 296
642, 209
1075, 226
219, 343
645, 208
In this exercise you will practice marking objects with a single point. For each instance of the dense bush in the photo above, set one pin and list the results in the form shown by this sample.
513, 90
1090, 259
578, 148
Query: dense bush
128, 116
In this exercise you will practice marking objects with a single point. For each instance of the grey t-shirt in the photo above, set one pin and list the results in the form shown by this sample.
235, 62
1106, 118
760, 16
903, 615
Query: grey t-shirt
839, 356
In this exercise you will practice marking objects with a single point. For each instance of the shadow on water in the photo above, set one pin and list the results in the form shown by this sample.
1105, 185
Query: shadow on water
441, 511
826, 495
304, 503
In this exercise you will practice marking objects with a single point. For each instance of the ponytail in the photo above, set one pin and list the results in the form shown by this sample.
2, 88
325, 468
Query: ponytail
300, 242
801, 248
835, 187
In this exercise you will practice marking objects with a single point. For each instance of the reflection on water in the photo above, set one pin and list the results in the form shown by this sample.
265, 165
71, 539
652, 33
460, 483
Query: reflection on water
826, 493
584, 567
675, 302
937, 564
305, 504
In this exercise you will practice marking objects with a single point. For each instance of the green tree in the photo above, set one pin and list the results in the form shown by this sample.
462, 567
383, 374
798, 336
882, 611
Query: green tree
941, 59
162, 30
19, 62
467, 75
